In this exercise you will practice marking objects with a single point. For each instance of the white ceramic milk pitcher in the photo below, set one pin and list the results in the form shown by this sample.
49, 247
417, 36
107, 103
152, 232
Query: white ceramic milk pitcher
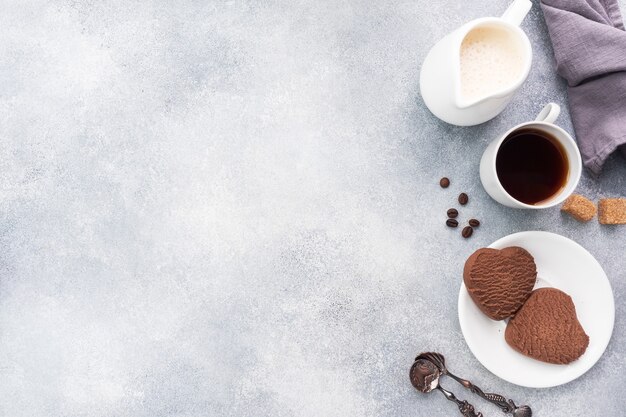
471, 74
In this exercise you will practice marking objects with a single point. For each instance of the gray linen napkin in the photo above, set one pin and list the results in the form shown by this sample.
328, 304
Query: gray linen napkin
589, 45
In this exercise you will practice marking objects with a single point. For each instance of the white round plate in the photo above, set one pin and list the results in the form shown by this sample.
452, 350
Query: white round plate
563, 264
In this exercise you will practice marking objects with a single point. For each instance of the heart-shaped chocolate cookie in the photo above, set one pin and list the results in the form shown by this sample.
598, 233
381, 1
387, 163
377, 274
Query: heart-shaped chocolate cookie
499, 281
546, 328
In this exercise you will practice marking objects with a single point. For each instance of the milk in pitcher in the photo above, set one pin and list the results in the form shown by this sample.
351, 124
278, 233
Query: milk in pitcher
491, 60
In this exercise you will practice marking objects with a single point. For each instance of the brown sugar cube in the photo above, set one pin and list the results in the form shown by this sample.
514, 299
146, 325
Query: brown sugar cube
612, 211
579, 207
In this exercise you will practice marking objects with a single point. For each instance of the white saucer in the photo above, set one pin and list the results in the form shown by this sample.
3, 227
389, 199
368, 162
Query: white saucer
563, 264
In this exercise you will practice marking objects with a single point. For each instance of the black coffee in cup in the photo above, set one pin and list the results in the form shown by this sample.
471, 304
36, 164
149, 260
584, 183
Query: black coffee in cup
532, 165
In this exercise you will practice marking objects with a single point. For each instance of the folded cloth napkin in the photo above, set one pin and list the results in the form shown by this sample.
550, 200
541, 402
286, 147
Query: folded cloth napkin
589, 45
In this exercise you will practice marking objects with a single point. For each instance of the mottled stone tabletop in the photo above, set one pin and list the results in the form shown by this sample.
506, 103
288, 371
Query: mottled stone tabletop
232, 208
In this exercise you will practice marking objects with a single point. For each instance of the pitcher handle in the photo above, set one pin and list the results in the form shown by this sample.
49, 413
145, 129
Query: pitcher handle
549, 113
517, 11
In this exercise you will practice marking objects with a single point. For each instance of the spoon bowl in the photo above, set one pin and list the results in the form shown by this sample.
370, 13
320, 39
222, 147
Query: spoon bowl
425, 375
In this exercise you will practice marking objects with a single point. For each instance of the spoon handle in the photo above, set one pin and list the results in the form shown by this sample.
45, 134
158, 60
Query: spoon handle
466, 409
508, 406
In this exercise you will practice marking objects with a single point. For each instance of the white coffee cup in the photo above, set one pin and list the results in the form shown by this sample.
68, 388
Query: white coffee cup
544, 122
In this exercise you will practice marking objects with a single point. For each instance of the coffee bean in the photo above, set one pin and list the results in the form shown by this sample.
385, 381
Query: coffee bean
463, 199
452, 223
444, 182
467, 231
474, 223
452, 213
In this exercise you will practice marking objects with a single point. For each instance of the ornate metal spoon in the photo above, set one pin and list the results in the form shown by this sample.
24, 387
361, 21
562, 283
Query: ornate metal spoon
425, 378
508, 406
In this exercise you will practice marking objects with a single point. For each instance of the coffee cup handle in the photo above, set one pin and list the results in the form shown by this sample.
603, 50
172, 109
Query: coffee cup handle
517, 11
549, 113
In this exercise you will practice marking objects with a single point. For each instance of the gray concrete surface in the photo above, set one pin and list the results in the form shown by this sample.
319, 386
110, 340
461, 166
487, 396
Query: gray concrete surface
232, 209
